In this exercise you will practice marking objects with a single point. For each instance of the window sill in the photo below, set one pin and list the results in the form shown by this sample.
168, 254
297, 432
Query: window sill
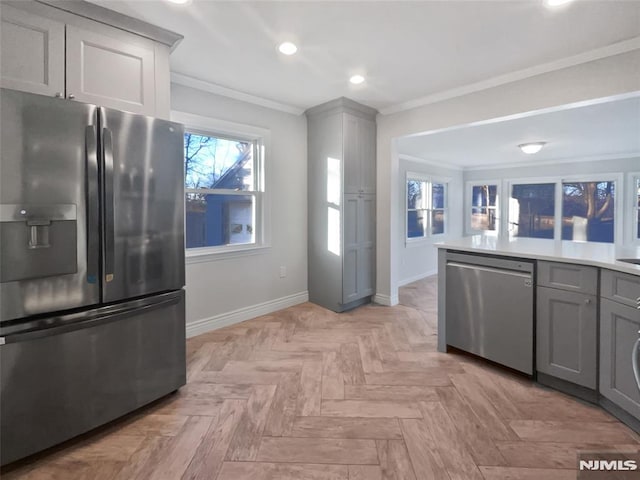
203, 255
421, 241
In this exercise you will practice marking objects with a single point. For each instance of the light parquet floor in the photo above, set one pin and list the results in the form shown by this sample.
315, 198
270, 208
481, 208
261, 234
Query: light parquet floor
307, 394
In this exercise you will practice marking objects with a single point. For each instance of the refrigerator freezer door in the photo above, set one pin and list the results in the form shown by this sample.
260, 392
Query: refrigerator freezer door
49, 232
62, 381
143, 194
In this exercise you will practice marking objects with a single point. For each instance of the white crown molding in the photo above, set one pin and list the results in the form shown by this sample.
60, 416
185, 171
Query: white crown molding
447, 166
592, 55
557, 161
203, 85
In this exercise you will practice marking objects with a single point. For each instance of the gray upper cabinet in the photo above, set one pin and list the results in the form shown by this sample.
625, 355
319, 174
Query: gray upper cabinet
619, 340
115, 71
359, 154
341, 222
95, 56
32, 52
567, 322
566, 332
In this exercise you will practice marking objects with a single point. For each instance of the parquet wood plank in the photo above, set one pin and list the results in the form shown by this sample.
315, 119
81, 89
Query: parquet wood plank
344, 427
515, 473
210, 454
429, 377
370, 409
310, 392
394, 460
284, 405
365, 472
481, 446
400, 393
423, 450
351, 364
182, 447
571, 432
450, 443
282, 471
332, 378
246, 439
371, 361
340, 451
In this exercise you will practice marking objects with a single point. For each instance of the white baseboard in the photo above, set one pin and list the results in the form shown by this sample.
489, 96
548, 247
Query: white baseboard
386, 300
198, 327
415, 278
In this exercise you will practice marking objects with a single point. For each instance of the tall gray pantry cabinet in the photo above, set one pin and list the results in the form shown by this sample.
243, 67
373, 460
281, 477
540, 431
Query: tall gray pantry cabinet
342, 203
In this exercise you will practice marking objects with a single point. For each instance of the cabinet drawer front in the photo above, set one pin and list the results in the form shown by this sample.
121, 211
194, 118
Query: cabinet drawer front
566, 333
566, 276
621, 287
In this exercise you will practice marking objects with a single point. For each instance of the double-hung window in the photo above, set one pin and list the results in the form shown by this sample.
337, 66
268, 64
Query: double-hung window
484, 213
223, 190
426, 206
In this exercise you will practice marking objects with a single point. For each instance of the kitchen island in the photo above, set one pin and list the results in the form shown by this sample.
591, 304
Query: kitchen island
565, 313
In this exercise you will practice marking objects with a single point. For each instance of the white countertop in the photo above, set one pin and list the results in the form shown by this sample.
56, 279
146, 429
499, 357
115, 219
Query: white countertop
597, 254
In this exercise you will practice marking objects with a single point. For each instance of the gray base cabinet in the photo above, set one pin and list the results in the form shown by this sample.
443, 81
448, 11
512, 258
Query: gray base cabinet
567, 336
619, 326
342, 204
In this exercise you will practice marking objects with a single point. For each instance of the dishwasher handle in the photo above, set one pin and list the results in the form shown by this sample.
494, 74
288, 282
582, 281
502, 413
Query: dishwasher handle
501, 271
634, 362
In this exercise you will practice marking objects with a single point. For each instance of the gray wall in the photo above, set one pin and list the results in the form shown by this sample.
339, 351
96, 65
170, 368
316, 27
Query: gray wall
240, 287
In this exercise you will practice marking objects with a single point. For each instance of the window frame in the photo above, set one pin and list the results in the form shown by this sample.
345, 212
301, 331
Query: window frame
201, 125
557, 208
469, 207
633, 209
618, 200
429, 180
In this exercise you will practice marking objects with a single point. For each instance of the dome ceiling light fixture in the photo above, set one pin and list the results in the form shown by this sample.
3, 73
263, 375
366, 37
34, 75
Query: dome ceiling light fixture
287, 48
179, 2
532, 147
556, 3
356, 79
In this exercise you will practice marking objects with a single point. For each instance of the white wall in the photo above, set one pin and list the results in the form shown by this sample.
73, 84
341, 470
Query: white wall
233, 289
597, 79
420, 259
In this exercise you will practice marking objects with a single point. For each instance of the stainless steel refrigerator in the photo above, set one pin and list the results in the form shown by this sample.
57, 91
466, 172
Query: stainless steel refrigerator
92, 322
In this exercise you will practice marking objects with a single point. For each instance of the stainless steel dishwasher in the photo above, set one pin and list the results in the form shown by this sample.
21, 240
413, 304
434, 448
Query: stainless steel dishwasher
489, 308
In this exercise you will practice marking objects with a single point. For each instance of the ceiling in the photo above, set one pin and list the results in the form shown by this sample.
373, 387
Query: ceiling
602, 130
406, 50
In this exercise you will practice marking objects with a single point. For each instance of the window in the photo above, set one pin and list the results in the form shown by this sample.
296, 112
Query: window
426, 206
588, 211
532, 210
484, 207
223, 189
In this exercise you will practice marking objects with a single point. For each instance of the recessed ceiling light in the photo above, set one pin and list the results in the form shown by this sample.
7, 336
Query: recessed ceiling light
179, 2
287, 48
356, 79
556, 3
531, 148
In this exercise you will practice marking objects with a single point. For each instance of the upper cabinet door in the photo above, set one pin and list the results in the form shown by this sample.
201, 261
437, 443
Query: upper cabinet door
32, 52
359, 154
110, 71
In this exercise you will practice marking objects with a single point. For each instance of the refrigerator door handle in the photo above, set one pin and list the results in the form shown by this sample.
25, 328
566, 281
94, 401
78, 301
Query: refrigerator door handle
109, 212
93, 204
92, 319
